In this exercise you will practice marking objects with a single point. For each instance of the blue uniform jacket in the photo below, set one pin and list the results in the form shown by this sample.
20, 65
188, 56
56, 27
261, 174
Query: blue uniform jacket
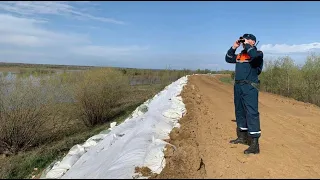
250, 68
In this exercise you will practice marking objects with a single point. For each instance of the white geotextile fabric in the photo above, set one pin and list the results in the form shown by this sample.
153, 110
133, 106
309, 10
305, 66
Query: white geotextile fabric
137, 142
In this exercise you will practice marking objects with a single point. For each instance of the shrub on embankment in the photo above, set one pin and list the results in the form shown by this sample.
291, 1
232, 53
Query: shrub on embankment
100, 97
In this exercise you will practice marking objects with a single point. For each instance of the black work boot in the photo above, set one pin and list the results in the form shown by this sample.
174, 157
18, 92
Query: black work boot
242, 138
254, 147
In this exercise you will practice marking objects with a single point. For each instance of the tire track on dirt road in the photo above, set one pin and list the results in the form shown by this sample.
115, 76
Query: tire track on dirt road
289, 141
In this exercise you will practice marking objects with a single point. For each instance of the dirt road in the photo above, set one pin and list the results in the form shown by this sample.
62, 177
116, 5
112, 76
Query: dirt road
289, 143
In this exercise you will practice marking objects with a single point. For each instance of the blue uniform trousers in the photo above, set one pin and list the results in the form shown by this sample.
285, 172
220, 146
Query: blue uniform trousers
246, 108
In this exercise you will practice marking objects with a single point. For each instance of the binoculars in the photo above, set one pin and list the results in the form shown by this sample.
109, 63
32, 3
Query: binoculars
241, 40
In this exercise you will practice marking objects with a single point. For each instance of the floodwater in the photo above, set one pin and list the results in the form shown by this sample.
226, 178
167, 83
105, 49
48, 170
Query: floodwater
8, 87
61, 91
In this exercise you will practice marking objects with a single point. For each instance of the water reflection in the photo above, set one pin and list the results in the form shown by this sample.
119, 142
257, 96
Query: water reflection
11, 84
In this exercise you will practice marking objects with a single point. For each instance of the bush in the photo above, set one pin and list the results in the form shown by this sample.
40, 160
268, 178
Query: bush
99, 93
27, 116
284, 77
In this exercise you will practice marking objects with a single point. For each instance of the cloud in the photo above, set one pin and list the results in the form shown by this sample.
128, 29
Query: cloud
28, 32
28, 40
62, 8
288, 49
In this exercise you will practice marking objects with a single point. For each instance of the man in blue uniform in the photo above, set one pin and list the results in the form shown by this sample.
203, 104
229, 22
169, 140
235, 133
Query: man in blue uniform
249, 65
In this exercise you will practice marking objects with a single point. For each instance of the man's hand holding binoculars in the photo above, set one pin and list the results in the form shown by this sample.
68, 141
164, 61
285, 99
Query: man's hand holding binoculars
239, 41
236, 44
